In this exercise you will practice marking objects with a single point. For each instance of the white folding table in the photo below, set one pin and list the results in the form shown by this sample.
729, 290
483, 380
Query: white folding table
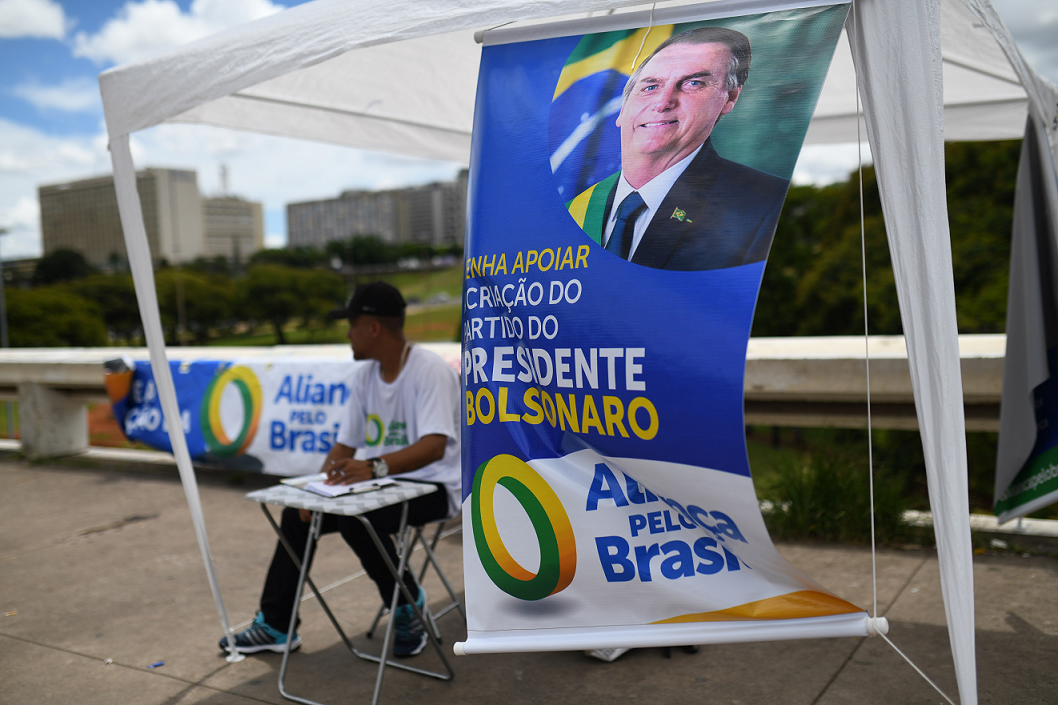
353, 505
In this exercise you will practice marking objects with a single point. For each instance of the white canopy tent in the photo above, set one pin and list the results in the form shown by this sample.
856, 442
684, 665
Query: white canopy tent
295, 74
400, 76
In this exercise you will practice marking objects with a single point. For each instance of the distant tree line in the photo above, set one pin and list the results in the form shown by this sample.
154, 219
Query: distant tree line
68, 303
101, 309
813, 283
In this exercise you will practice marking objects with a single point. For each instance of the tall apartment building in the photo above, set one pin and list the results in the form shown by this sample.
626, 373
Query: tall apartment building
315, 223
83, 216
432, 214
233, 227
181, 225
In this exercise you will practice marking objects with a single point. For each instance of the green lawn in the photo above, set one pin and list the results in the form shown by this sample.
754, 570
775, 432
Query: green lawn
423, 285
434, 324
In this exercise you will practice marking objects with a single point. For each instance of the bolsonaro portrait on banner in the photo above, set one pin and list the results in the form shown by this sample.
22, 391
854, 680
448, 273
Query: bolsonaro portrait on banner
676, 203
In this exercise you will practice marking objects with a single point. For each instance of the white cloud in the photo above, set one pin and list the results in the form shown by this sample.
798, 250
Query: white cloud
823, 164
274, 241
32, 18
1034, 24
29, 158
9, 161
22, 221
276, 170
272, 170
74, 95
148, 28
27, 153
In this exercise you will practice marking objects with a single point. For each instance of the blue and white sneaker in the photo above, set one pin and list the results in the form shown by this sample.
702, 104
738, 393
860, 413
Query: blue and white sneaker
410, 637
260, 637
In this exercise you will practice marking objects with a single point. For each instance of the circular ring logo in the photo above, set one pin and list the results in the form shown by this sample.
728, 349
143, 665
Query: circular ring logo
217, 440
373, 420
558, 548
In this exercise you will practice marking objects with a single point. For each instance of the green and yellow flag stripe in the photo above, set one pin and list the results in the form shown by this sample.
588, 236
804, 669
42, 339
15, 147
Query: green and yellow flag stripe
610, 50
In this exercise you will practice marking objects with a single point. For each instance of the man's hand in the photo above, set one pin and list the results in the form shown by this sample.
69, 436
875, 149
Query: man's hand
342, 469
347, 471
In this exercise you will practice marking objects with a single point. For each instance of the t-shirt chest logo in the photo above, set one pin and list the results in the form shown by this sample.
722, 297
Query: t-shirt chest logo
397, 434
377, 434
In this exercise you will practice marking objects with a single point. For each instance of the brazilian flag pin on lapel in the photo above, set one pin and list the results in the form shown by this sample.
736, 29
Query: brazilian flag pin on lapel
680, 215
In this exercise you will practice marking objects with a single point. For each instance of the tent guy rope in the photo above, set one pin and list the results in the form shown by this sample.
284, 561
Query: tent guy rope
876, 628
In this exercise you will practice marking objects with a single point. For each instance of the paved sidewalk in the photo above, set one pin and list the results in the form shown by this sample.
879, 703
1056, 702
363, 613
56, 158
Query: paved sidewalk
100, 562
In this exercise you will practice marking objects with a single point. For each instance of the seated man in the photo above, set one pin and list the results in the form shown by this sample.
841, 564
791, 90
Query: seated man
405, 403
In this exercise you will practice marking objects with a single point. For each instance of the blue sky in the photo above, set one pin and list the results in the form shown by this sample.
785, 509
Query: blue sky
51, 121
51, 118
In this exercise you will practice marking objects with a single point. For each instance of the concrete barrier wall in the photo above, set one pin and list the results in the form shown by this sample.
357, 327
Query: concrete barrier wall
822, 381
818, 381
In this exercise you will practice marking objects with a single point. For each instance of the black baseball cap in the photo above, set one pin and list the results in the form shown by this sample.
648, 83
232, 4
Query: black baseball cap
374, 299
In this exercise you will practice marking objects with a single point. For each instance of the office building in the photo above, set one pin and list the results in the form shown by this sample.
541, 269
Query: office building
83, 216
181, 225
433, 214
315, 223
233, 228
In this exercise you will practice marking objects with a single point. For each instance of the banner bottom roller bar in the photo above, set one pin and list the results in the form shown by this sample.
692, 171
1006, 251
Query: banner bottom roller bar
645, 636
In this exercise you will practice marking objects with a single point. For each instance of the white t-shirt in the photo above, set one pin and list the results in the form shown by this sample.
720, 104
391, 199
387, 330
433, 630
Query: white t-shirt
384, 417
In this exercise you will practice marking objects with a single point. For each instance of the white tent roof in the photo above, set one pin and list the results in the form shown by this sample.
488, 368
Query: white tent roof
296, 74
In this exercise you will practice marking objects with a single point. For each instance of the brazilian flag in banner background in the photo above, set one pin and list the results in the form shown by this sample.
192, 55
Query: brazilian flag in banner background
607, 494
772, 115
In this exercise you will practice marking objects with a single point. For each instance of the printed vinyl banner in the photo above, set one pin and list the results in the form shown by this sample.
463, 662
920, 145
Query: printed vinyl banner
278, 417
1036, 486
1027, 462
625, 189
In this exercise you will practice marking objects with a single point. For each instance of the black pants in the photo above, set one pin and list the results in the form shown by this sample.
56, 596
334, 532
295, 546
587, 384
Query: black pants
277, 599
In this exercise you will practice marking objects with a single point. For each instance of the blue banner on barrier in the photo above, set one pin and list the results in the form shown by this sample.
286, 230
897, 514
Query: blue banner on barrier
278, 417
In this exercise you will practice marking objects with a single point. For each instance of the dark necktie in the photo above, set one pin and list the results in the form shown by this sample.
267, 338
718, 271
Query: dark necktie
620, 242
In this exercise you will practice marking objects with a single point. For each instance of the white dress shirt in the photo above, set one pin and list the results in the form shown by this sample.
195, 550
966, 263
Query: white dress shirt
653, 193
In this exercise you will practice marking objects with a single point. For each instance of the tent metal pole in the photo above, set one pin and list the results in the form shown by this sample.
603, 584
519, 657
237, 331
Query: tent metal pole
143, 278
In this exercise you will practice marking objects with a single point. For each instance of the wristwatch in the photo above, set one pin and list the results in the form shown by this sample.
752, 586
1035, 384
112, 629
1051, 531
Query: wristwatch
379, 467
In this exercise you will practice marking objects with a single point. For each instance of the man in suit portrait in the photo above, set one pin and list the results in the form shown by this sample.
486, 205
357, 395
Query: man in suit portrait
676, 203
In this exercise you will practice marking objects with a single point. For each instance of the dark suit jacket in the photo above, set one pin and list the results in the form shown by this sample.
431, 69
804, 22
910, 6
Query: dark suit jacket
718, 214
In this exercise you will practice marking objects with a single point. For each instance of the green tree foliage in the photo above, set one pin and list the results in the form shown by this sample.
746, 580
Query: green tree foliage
117, 263
276, 294
302, 257
53, 317
362, 250
218, 265
981, 179
208, 301
115, 296
61, 266
813, 284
